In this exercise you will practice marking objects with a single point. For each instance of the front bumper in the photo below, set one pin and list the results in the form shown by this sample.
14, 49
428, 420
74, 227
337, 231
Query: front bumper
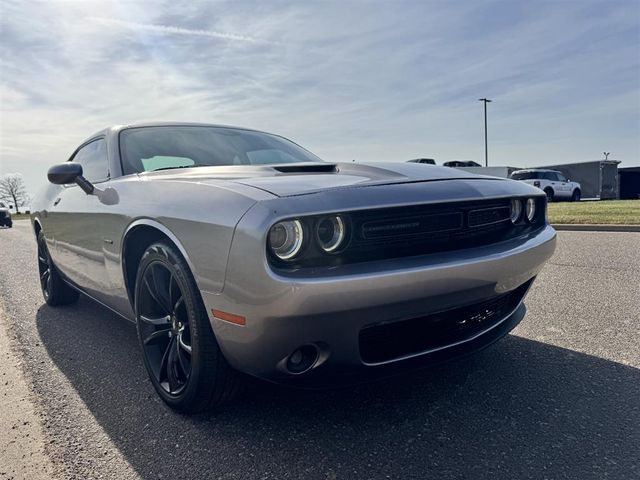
329, 308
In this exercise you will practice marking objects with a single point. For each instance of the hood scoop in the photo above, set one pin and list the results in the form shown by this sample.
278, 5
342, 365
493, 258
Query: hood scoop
307, 168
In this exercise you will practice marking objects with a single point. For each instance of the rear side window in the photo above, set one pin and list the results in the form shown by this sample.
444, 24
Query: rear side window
93, 158
525, 175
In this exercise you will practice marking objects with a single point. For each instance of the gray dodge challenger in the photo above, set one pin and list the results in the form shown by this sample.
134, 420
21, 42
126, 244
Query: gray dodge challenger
239, 252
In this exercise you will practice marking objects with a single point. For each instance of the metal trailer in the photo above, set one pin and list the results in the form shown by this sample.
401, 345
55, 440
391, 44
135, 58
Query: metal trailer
629, 182
598, 178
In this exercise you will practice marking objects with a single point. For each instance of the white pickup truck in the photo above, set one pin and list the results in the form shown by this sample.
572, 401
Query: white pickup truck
554, 183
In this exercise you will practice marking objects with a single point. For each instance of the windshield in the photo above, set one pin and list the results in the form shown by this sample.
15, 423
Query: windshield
154, 148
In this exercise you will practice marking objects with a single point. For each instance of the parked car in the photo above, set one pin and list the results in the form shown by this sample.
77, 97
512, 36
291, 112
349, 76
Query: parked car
5, 216
235, 250
428, 161
552, 182
461, 163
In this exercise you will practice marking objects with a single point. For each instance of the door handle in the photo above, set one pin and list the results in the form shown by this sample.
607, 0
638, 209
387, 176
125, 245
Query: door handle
57, 201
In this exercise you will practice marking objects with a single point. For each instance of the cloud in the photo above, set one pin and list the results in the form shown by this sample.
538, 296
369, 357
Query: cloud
173, 30
346, 80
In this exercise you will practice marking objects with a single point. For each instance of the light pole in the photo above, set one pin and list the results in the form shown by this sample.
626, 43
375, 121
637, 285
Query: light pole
486, 149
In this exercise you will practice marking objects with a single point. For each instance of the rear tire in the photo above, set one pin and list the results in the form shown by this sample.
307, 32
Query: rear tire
180, 351
54, 289
576, 195
549, 192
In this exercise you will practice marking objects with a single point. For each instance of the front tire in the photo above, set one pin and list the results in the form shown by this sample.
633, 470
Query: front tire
575, 196
180, 351
55, 290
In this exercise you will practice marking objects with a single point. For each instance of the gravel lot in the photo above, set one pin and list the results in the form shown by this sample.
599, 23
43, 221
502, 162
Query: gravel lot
559, 398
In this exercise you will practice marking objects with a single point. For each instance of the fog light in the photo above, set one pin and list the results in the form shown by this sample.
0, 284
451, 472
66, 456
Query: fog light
302, 359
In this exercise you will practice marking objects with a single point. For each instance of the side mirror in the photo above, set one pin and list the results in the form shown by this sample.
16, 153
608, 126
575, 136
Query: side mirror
69, 172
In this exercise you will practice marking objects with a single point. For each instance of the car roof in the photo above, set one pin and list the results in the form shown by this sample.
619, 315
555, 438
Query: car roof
115, 129
537, 170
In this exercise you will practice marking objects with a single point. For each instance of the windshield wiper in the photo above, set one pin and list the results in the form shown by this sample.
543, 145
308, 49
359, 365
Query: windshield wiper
180, 166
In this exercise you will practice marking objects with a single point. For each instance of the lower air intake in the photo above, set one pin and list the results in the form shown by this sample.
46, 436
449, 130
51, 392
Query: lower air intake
389, 341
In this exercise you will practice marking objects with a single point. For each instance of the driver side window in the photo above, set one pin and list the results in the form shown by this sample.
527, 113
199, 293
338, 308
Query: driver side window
93, 158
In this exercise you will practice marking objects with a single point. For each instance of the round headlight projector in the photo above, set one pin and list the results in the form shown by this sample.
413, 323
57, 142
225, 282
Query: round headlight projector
285, 239
516, 210
531, 209
331, 233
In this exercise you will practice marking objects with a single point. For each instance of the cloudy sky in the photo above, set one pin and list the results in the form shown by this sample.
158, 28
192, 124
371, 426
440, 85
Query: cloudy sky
349, 80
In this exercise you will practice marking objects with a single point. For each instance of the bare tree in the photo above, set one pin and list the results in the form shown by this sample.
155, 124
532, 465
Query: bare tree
12, 190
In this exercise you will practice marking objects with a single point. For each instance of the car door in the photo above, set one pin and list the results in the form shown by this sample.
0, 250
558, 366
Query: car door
564, 187
80, 223
553, 182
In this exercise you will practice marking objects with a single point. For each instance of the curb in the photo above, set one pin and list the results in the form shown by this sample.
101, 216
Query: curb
595, 227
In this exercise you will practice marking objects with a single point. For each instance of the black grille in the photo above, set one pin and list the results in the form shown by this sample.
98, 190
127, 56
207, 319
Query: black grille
384, 342
416, 230
487, 216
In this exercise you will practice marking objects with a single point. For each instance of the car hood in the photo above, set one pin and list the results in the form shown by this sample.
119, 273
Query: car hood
304, 178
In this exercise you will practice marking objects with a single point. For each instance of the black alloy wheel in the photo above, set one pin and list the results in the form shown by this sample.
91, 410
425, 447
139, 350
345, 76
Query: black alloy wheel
44, 268
54, 289
164, 328
180, 351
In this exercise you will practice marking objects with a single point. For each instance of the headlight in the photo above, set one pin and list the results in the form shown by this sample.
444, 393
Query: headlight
331, 233
531, 209
285, 239
516, 210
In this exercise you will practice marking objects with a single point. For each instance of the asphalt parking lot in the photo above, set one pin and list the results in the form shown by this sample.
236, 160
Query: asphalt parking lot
558, 398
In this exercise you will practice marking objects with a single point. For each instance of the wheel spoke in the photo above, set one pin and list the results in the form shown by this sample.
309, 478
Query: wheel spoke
173, 285
174, 383
153, 293
155, 336
162, 285
164, 320
186, 369
183, 345
159, 287
162, 372
177, 305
